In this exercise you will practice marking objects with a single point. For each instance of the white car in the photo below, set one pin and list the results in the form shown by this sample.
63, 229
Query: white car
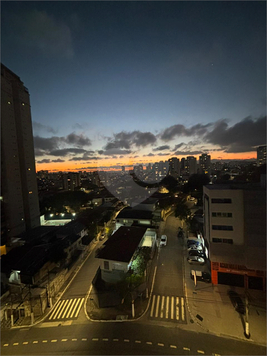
196, 260
163, 240
198, 247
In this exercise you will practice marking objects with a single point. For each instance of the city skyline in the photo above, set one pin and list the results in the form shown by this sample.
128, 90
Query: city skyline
121, 84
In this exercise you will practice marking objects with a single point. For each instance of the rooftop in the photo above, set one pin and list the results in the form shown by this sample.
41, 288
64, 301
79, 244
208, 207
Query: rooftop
131, 213
122, 244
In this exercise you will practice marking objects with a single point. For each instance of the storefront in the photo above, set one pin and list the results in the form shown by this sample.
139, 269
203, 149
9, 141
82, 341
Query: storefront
237, 275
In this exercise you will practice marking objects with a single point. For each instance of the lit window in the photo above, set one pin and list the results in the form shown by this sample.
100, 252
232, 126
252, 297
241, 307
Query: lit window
9, 102
30, 192
22, 104
29, 169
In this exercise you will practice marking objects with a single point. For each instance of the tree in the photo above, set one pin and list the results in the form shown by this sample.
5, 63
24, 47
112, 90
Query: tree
196, 181
140, 260
181, 210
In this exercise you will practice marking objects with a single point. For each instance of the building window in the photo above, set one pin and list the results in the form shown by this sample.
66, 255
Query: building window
106, 265
225, 241
222, 227
221, 215
221, 201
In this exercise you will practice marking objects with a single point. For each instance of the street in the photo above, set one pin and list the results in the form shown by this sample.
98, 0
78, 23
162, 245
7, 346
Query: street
164, 329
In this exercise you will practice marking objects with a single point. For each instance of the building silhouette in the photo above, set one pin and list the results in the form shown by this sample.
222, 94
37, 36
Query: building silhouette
261, 155
19, 194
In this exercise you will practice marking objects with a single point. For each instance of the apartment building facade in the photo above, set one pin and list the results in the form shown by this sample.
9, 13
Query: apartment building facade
19, 195
235, 230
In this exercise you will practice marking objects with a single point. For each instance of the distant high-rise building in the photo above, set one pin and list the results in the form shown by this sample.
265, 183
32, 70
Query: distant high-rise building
174, 166
19, 196
261, 155
204, 164
71, 181
123, 168
191, 165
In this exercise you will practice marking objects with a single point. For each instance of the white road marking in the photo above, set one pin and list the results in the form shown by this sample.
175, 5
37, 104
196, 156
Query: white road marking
53, 340
64, 340
115, 339
79, 307
44, 341
160, 344
173, 346
70, 307
186, 348
177, 308
167, 307
126, 340
84, 339
172, 307
35, 342
95, 339
6, 345
157, 307
24, 343
66, 308
138, 341
149, 342
162, 306
55, 309
152, 307
200, 351
75, 306
61, 309
73, 339
15, 344
182, 307
105, 339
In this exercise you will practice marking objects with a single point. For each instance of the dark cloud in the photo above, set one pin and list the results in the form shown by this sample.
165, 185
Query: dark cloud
114, 151
187, 153
127, 139
66, 151
85, 158
244, 136
163, 154
53, 145
78, 140
149, 155
46, 144
59, 160
181, 130
40, 127
162, 148
44, 161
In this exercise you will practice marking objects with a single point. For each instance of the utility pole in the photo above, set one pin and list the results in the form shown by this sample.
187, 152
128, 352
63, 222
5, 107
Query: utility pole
247, 333
32, 314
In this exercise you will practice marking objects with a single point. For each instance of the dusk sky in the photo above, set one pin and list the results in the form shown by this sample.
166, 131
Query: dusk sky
121, 83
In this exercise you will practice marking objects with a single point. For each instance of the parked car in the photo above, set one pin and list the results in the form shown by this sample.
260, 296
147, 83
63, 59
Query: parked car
195, 247
163, 240
192, 242
198, 253
237, 302
201, 276
196, 260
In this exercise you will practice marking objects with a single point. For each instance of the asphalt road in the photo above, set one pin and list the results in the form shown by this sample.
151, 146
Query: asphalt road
120, 339
148, 336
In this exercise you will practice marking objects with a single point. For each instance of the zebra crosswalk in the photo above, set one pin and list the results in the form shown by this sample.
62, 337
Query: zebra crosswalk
67, 309
167, 308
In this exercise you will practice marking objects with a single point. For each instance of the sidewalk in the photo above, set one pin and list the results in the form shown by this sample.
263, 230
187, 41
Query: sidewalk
26, 321
210, 307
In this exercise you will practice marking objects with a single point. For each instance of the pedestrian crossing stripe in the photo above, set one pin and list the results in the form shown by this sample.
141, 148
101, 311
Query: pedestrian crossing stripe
67, 308
167, 307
